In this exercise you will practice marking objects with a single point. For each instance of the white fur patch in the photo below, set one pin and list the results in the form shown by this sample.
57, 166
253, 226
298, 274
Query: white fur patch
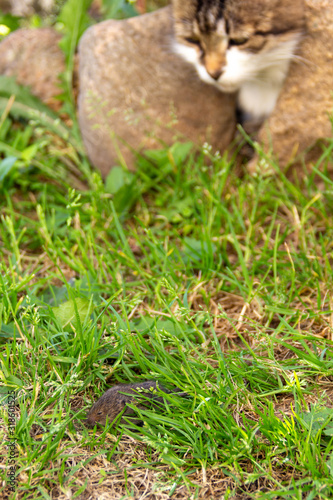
257, 100
257, 77
190, 55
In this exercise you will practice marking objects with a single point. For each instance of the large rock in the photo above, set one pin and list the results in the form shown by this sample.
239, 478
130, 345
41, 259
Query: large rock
301, 117
33, 57
135, 93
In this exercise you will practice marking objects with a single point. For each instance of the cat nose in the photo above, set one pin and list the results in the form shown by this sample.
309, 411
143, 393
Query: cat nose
215, 73
214, 65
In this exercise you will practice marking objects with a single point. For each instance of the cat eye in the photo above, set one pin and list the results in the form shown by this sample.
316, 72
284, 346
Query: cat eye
236, 42
193, 41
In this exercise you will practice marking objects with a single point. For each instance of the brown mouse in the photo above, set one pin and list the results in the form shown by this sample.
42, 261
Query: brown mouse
113, 402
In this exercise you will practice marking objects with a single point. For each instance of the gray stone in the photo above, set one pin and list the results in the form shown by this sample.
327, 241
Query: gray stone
135, 93
33, 57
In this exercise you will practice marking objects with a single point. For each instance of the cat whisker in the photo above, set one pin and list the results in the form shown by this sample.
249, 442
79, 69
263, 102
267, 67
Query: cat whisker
303, 60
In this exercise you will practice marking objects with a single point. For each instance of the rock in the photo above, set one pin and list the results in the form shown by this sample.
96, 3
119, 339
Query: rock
5, 6
301, 118
26, 7
33, 57
135, 93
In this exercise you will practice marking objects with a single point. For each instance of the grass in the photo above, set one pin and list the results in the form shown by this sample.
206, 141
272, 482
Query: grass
182, 272
218, 285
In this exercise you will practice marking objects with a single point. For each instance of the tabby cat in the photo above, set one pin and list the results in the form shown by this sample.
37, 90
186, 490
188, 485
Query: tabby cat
241, 45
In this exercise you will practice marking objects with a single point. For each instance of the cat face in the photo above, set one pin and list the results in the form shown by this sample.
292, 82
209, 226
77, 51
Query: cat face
234, 42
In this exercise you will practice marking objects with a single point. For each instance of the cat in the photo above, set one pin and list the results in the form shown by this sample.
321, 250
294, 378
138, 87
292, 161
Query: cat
242, 46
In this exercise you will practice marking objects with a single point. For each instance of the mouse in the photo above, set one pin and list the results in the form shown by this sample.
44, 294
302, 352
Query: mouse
115, 401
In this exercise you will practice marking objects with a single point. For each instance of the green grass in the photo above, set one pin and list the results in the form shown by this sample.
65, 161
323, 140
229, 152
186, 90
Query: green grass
181, 272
